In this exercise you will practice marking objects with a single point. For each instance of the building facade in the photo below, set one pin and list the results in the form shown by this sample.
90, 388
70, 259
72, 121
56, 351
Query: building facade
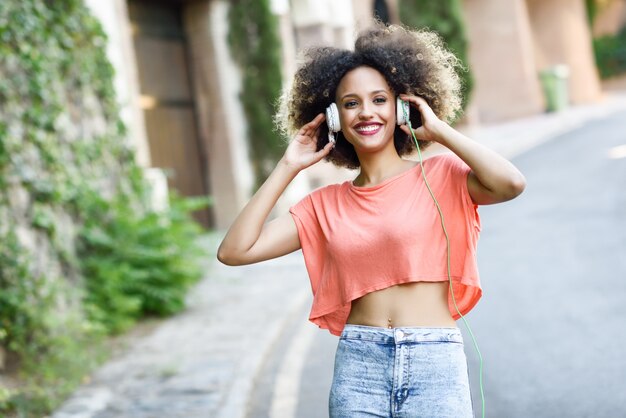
179, 87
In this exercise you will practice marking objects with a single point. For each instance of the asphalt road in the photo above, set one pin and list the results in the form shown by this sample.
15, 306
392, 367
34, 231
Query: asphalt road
550, 325
553, 265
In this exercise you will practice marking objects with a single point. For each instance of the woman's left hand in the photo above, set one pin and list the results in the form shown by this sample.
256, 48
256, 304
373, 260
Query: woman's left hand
492, 178
432, 126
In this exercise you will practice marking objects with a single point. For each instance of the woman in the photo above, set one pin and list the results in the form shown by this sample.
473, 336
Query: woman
391, 254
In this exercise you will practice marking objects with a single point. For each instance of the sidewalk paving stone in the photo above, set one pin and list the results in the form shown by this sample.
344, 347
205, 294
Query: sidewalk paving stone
202, 362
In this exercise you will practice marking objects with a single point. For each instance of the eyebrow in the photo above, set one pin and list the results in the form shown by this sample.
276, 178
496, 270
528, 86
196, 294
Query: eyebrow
371, 94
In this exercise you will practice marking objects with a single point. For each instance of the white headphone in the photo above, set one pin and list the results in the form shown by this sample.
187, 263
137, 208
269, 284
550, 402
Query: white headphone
332, 117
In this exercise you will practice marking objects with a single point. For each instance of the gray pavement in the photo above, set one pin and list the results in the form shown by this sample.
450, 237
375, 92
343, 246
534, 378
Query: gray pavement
552, 266
205, 362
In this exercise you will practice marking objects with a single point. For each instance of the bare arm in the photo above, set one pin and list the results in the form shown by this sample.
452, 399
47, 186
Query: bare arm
493, 178
250, 239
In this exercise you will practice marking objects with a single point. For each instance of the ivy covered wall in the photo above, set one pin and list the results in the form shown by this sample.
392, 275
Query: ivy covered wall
609, 49
253, 38
446, 18
82, 254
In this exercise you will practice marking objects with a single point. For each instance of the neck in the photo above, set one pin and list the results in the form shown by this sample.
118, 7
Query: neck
377, 167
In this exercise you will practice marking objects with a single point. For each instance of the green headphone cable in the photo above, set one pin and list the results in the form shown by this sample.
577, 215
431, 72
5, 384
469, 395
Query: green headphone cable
445, 232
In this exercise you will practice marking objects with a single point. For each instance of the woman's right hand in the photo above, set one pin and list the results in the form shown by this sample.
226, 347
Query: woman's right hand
250, 238
301, 152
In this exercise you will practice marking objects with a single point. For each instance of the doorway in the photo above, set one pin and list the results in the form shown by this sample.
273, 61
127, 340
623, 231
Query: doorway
167, 98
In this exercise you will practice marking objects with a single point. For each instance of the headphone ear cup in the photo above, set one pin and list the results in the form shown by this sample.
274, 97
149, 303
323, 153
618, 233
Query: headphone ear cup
332, 118
403, 111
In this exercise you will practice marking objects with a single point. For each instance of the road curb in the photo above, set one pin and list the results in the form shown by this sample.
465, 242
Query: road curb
240, 393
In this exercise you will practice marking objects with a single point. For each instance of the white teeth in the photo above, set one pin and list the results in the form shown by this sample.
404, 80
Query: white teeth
368, 128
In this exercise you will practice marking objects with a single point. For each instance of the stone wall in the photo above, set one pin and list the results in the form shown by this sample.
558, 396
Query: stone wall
60, 140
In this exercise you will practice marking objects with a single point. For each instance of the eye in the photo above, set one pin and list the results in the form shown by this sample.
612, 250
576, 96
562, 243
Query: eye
350, 104
380, 100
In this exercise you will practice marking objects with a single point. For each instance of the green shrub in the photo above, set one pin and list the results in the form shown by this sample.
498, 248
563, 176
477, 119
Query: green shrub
55, 351
138, 264
610, 53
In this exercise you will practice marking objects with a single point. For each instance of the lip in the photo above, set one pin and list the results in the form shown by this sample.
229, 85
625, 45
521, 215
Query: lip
358, 128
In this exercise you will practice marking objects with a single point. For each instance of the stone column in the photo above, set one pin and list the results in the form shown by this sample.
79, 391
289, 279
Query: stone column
323, 22
342, 22
311, 23
562, 36
502, 59
288, 42
363, 13
217, 83
113, 15
394, 11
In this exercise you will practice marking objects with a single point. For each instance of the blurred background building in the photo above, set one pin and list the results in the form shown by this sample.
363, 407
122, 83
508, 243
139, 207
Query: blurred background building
180, 87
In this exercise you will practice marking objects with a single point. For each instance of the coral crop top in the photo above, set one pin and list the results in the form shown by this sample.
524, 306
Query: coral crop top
356, 240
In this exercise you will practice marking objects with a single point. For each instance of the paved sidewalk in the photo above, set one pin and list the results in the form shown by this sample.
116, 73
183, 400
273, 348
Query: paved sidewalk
203, 362
513, 138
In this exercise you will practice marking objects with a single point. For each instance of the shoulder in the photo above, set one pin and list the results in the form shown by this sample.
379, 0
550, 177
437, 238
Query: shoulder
318, 204
325, 192
447, 172
447, 158
447, 163
322, 195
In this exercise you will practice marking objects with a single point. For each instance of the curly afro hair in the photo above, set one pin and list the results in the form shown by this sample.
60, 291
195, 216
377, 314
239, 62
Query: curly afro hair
412, 62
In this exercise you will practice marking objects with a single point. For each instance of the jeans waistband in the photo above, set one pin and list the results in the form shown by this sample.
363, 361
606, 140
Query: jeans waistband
402, 334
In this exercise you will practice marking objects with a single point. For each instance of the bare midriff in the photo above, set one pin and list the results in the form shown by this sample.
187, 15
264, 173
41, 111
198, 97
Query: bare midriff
419, 304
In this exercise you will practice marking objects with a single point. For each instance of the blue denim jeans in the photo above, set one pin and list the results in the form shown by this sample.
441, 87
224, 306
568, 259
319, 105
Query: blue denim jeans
400, 372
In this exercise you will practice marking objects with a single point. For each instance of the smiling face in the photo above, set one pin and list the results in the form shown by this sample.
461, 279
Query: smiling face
367, 109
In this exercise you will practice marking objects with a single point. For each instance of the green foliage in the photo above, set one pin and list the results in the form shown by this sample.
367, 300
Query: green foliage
592, 10
81, 252
446, 18
595, 7
138, 265
610, 52
253, 37
55, 351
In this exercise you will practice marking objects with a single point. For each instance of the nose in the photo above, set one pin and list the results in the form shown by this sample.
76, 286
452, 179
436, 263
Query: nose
365, 112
